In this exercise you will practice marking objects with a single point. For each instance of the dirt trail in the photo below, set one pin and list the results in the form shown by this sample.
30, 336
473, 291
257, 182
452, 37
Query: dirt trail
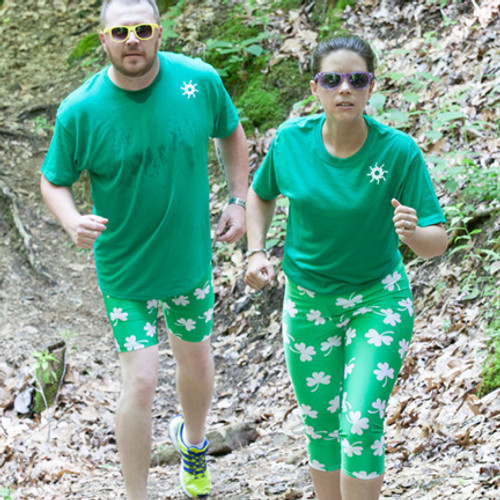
441, 436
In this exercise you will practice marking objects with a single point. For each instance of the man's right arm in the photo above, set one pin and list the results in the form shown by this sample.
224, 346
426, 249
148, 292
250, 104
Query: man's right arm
83, 229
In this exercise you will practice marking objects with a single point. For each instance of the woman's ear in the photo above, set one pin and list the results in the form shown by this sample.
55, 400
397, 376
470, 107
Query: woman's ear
371, 88
314, 88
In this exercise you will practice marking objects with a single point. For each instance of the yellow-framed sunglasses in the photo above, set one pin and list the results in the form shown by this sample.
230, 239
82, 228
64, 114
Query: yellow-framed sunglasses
142, 31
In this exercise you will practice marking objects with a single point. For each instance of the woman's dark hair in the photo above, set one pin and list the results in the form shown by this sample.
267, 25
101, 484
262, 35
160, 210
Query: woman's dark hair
343, 42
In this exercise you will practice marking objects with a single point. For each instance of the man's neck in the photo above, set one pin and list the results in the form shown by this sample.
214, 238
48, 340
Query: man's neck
134, 82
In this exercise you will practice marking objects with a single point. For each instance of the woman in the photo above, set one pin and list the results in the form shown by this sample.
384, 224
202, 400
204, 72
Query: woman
356, 189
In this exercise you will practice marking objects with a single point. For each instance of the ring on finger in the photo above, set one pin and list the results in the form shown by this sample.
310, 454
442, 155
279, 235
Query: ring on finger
407, 224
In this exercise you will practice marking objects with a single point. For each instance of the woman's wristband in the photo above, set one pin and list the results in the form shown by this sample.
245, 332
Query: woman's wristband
256, 250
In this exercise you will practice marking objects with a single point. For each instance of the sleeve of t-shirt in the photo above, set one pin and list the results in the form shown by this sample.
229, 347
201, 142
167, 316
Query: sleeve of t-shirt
226, 117
265, 183
59, 165
418, 192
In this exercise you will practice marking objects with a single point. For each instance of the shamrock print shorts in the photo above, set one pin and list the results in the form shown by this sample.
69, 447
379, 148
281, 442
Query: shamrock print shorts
343, 354
188, 316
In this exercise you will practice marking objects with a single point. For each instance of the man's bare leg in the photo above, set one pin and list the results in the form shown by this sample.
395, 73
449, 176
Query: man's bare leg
195, 384
133, 418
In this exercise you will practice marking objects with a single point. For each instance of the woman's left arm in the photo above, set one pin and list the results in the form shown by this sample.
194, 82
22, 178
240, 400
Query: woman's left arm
429, 241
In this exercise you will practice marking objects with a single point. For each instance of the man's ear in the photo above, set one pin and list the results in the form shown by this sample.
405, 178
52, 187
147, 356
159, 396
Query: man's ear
103, 41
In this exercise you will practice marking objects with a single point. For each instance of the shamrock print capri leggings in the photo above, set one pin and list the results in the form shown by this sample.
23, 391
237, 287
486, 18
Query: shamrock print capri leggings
343, 354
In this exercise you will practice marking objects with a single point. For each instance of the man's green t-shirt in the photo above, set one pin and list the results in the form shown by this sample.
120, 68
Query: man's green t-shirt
146, 154
340, 232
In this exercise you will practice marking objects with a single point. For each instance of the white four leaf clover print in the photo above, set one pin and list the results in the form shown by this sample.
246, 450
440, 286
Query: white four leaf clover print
317, 379
303, 291
378, 447
404, 347
150, 329
391, 280
330, 344
188, 324
308, 411
379, 406
352, 449
118, 315
359, 423
132, 344
377, 339
306, 353
315, 316
201, 293
152, 305
349, 367
289, 308
316, 465
334, 404
383, 372
352, 301
208, 315
182, 300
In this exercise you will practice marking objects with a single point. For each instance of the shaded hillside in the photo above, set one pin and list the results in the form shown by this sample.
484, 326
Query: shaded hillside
438, 79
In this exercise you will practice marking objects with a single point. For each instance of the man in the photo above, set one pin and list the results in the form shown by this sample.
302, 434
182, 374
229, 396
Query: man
141, 128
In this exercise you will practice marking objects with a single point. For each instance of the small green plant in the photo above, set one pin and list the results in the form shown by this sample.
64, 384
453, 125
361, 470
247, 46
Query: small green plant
43, 366
491, 367
229, 57
5, 493
277, 231
41, 123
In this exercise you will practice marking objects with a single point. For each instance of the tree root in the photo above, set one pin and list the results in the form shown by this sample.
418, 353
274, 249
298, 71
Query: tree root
474, 218
13, 204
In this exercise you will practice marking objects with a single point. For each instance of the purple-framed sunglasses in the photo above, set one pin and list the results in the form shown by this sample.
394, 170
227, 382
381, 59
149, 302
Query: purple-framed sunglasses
331, 79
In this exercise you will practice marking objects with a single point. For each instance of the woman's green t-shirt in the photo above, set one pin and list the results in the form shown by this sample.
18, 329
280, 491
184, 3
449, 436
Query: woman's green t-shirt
340, 232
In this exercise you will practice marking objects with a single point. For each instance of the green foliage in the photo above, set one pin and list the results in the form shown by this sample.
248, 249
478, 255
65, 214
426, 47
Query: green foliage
260, 105
491, 367
5, 493
85, 47
277, 231
167, 5
285, 4
48, 371
330, 21
41, 123
42, 366
270, 97
172, 10
235, 60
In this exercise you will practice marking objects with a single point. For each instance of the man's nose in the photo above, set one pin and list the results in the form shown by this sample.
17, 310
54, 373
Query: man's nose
132, 37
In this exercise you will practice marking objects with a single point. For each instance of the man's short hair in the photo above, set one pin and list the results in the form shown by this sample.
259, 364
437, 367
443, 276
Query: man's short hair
107, 3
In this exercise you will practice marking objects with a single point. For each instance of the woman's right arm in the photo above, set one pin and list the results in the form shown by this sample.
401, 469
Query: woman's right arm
83, 229
259, 217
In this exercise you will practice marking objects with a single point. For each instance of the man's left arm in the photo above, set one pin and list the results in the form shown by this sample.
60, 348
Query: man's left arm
232, 152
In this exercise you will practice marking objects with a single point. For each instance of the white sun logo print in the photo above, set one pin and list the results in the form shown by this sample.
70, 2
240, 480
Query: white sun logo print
189, 89
377, 173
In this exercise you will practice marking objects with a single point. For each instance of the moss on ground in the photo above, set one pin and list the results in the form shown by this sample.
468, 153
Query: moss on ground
491, 368
269, 98
330, 21
286, 4
85, 47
